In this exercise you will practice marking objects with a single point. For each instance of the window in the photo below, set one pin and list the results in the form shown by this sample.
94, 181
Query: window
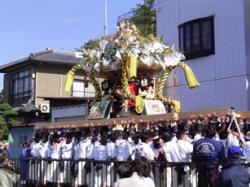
83, 89
196, 37
20, 86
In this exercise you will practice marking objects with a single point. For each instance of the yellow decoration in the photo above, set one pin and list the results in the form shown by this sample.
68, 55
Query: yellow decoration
133, 63
190, 78
139, 104
70, 77
177, 106
69, 82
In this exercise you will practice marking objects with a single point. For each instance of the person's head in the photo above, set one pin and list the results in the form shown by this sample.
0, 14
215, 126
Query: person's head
166, 137
37, 137
145, 137
141, 166
136, 139
25, 145
124, 170
68, 138
157, 142
234, 152
3, 156
104, 139
182, 135
210, 132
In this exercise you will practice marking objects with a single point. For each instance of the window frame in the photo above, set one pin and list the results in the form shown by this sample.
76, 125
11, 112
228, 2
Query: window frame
194, 53
86, 92
23, 94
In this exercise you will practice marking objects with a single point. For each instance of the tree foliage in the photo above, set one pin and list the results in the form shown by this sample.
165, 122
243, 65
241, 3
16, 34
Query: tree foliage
145, 17
91, 44
8, 118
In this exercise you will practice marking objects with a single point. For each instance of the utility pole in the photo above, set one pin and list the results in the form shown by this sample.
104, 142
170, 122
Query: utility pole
106, 17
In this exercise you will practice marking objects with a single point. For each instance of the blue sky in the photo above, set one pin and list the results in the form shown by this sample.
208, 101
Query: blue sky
28, 26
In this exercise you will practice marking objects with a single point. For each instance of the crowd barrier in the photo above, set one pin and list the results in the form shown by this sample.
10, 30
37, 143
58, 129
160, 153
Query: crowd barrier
91, 173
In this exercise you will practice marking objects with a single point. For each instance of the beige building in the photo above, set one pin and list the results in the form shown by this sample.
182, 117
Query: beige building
35, 84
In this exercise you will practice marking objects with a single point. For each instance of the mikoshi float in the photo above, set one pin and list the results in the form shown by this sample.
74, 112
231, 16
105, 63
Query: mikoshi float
127, 64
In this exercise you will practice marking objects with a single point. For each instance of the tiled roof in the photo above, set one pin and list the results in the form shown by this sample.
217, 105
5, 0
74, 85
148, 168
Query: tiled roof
50, 55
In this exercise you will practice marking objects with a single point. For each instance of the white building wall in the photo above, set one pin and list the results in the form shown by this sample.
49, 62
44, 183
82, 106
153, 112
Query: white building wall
247, 43
222, 75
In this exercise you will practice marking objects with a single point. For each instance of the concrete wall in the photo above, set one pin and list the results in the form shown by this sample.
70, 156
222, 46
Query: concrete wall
222, 75
51, 79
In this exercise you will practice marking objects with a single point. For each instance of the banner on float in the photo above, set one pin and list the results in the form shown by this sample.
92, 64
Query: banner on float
153, 107
100, 110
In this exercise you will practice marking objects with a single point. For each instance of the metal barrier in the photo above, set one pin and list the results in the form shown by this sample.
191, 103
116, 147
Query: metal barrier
91, 173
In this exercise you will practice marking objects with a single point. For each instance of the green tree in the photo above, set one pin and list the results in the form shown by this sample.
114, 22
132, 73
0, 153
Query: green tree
145, 17
91, 44
8, 118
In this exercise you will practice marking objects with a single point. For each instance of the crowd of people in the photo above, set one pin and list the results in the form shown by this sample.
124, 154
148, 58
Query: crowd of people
207, 142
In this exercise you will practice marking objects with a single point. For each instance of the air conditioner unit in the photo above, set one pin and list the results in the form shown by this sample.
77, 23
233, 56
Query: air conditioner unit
44, 108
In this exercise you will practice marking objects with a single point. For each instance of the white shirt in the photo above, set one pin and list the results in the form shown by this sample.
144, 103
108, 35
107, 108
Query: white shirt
146, 151
84, 149
42, 150
180, 151
122, 150
135, 181
76, 151
55, 150
246, 150
135, 150
66, 150
112, 149
100, 152
197, 137
166, 147
34, 151
155, 150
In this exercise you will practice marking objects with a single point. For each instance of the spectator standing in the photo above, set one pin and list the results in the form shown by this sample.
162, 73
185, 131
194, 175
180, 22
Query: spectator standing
180, 151
234, 174
8, 177
207, 155
24, 163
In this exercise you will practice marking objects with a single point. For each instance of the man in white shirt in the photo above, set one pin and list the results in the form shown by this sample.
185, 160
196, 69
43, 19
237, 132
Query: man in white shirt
84, 168
123, 151
66, 154
145, 148
180, 151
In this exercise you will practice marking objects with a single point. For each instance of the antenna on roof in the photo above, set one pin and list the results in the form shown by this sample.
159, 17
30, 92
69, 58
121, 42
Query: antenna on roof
106, 18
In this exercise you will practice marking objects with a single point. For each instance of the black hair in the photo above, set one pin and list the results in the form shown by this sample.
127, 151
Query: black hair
156, 143
125, 135
179, 134
25, 143
124, 170
141, 166
112, 137
136, 138
166, 137
104, 140
210, 132
144, 137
